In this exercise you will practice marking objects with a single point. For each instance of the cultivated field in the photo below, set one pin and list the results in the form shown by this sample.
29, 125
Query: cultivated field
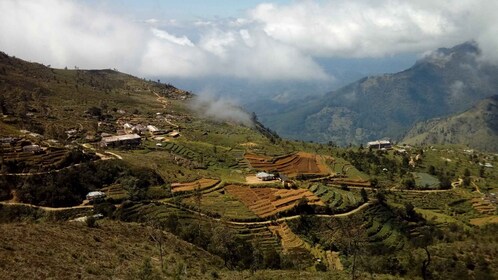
201, 184
483, 206
336, 199
300, 163
225, 205
288, 238
266, 202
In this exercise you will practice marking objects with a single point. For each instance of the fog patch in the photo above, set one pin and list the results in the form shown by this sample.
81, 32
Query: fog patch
457, 89
220, 109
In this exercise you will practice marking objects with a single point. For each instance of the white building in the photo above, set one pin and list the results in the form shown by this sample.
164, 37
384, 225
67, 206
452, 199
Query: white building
380, 144
96, 195
263, 176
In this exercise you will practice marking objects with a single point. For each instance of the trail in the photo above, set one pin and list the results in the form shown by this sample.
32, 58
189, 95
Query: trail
272, 221
45, 207
164, 102
477, 187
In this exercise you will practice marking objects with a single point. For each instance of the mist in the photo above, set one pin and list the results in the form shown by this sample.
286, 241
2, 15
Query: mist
220, 109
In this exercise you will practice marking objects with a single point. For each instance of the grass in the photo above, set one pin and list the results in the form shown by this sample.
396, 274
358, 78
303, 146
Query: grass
111, 250
342, 166
224, 204
425, 180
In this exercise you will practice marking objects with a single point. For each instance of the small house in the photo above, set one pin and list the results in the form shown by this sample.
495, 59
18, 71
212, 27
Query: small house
263, 176
152, 128
380, 144
139, 129
174, 134
32, 149
121, 140
95, 196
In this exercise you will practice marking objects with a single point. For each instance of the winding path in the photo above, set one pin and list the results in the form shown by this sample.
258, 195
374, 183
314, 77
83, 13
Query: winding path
45, 207
271, 221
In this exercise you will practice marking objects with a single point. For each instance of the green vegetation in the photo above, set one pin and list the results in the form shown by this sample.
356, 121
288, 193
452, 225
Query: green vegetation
379, 213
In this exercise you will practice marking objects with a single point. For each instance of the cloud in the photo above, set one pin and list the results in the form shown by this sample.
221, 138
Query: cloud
271, 42
220, 109
65, 33
377, 28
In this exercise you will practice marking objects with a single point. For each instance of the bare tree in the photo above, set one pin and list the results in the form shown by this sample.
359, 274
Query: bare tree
350, 235
157, 235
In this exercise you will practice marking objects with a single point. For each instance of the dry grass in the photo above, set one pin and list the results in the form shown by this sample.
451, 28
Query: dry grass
75, 251
200, 184
484, 220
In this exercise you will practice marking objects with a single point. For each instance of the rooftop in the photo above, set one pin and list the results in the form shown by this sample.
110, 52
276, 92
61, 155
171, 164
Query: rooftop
121, 138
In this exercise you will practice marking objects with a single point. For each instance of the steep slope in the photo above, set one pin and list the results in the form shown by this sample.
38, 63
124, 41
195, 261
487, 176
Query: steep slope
476, 128
111, 250
443, 82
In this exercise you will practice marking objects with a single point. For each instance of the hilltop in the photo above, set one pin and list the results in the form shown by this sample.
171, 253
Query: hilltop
444, 82
476, 128
230, 197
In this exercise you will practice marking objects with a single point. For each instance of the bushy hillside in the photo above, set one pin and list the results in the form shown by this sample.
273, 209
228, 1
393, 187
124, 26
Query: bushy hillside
444, 82
476, 128
168, 166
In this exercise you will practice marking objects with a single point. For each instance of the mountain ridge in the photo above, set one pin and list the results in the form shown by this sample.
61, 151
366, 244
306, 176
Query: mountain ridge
444, 82
477, 128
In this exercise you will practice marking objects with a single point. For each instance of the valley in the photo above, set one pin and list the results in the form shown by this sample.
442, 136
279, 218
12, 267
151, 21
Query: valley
178, 202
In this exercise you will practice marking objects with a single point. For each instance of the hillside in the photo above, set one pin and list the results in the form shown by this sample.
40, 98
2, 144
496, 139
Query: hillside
95, 163
444, 82
112, 250
476, 128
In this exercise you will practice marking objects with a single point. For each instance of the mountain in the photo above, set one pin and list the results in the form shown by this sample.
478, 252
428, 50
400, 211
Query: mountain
476, 128
444, 82
192, 174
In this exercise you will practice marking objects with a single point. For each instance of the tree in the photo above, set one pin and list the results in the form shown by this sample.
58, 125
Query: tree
424, 240
350, 234
409, 183
381, 197
157, 236
364, 195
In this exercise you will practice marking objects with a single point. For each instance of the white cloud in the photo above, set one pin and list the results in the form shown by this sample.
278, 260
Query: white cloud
272, 42
365, 28
65, 33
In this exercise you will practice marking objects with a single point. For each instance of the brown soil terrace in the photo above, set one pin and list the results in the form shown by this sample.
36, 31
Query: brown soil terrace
201, 184
266, 202
291, 165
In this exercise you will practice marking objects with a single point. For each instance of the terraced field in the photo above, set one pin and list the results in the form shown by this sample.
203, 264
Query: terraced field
116, 192
335, 198
181, 151
382, 230
427, 200
224, 205
49, 159
259, 234
201, 184
483, 206
300, 163
288, 239
349, 182
266, 202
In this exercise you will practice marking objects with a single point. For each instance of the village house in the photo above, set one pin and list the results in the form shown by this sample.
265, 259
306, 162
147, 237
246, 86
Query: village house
263, 176
94, 196
174, 134
121, 140
380, 144
32, 149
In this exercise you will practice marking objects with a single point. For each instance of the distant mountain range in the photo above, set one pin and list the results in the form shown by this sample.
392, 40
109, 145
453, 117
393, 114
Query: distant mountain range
476, 128
444, 82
